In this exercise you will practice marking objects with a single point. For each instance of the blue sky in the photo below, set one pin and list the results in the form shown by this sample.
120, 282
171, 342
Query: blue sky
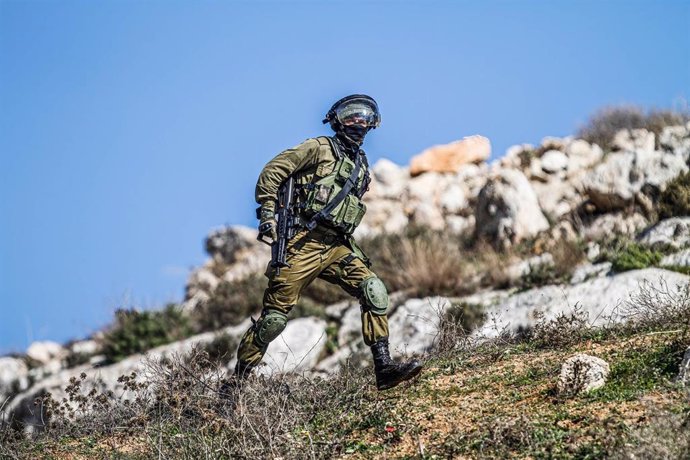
128, 129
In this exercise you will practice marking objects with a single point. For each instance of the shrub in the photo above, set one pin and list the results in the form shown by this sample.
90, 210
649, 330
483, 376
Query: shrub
136, 332
634, 257
420, 260
604, 124
222, 348
231, 303
675, 199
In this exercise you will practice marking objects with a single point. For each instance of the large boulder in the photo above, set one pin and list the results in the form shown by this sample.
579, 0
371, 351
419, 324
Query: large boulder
598, 298
414, 325
615, 183
673, 232
557, 196
298, 348
507, 209
582, 373
451, 157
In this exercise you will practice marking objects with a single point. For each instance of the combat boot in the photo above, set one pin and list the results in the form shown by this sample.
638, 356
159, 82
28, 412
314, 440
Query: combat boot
388, 372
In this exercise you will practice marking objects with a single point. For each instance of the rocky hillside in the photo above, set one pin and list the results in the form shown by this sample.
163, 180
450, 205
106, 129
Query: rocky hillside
499, 273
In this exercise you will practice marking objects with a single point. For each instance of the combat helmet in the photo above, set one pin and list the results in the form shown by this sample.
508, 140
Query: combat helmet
356, 109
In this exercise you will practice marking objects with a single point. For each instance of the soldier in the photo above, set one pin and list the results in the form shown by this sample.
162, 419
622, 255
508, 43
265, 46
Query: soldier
330, 175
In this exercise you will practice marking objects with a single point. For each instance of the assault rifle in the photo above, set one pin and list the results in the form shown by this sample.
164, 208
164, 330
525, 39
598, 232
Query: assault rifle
286, 225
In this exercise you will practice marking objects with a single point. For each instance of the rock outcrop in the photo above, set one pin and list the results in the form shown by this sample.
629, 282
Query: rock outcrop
564, 188
449, 158
598, 298
673, 232
507, 209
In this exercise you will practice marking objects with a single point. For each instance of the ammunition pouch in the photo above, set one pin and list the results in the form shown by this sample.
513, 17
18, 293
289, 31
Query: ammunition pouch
347, 214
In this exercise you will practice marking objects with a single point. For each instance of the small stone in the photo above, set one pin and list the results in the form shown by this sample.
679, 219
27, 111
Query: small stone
582, 373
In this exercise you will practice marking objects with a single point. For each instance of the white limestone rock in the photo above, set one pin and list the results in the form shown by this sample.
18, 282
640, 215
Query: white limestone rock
229, 243
427, 215
298, 347
582, 154
554, 161
350, 325
596, 297
383, 216
632, 140
615, 183
679, 259
676, 140
460, 225
389, 180
414, 326
453, 200
588, 271
104, 378
507, 209
525, 267
619, 223
14, 377
424, 188
674, 232
46, 351
201, 280
582, 373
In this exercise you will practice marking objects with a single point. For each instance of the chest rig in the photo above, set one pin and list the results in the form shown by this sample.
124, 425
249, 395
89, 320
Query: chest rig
335, 200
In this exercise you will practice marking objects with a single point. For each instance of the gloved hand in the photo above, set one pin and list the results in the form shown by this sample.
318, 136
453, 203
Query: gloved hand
268, 224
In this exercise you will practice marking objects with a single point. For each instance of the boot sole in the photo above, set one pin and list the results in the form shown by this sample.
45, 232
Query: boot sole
414, 373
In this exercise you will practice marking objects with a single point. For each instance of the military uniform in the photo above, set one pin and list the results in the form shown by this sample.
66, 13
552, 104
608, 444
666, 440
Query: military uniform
323, 252
330, 176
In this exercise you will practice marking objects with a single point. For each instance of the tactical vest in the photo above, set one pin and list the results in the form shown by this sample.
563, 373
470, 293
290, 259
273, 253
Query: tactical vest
347, 215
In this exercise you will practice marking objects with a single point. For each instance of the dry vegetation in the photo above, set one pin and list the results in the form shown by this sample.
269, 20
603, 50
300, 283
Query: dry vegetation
603, 125
494, 399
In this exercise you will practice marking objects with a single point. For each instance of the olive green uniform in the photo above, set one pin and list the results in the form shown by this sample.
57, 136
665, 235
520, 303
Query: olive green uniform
323, 252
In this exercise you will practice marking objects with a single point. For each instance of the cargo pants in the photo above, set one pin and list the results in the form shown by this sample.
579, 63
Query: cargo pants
319, 253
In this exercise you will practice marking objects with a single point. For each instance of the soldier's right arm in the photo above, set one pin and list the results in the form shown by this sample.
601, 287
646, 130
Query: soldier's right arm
280, 167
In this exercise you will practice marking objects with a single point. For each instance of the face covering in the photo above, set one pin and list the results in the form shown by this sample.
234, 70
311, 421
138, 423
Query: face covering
355, 133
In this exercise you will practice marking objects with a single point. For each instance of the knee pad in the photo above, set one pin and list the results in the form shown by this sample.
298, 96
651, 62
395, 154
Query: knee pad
268, 327
374, 296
